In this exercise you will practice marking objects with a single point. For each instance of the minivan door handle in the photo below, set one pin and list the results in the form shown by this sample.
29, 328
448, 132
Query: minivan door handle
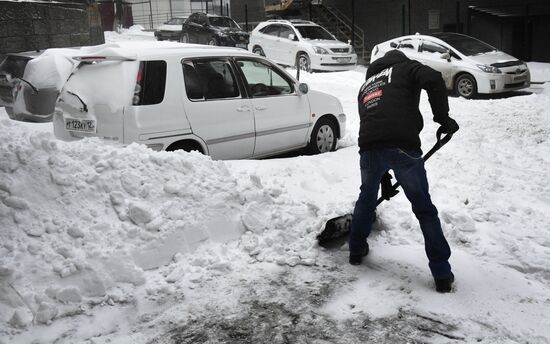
243, 108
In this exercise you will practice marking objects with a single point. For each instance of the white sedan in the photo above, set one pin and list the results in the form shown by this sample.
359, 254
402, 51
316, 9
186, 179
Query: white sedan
468, 65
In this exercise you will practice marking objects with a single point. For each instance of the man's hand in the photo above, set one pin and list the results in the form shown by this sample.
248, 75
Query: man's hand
449, 126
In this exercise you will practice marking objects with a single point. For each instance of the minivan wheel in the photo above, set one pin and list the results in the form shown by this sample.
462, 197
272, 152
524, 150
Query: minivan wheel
258, 51
212, 41
184, 38
465, 86
323, 137
304, 63
187, 146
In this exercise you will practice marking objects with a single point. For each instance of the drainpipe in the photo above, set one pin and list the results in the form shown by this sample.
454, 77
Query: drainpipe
409, 17
353, 22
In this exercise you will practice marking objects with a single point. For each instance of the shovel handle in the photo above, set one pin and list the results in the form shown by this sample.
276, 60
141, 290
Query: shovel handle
442, 139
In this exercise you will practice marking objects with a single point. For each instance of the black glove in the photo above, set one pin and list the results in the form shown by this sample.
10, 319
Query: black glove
388, 190
449, 126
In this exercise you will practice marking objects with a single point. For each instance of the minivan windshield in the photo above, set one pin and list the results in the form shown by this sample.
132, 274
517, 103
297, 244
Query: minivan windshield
314, 32
467, 45
223, 22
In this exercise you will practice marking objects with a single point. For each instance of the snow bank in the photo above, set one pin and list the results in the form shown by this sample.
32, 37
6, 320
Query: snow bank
81, 220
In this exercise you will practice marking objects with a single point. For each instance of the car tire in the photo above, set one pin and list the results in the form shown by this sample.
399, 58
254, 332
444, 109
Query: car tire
323, 137
184, 38
187, 145
466, 86
303, 62
258, 50
212, 41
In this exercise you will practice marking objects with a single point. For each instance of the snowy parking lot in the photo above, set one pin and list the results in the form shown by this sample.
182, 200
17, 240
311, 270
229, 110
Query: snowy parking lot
108, 244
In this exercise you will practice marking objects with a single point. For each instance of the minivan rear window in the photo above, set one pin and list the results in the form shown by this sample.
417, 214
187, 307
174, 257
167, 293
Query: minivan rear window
151, 82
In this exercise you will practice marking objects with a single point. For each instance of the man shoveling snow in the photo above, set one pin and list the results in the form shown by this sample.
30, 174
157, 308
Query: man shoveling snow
389, 139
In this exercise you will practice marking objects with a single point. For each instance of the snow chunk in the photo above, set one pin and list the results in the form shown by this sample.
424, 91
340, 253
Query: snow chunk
140, 213
75, 231
70, 294
20, 319
16, 203
256, 217
46, 313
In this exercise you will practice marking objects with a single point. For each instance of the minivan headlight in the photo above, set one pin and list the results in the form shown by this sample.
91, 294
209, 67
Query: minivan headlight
319, 50
488, 69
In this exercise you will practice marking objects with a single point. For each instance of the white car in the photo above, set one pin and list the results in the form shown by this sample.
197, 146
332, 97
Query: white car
468, 65
301, 43
170, 30
224, 102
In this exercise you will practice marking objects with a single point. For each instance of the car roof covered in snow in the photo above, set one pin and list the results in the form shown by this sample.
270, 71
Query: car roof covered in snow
149, 49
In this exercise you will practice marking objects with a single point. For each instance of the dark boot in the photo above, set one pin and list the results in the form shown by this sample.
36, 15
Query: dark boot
444, 285
357, 259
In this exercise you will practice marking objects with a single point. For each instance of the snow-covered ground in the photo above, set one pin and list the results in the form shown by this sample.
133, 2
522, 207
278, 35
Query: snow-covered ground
103, 244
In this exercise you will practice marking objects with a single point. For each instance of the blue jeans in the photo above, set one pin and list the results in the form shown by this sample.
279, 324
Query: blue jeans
408, 167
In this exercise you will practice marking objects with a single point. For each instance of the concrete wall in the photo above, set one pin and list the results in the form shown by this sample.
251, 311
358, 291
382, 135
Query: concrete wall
26, 26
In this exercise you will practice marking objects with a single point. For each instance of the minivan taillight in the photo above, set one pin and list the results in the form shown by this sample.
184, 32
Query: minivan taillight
139, 84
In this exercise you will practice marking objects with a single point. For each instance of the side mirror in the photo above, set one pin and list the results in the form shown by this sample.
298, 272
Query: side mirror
446, 56
304, 88
291, 36
393, 45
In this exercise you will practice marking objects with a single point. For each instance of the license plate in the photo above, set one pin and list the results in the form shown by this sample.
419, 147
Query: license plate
520, 78
343, 59
241, 45
81, 125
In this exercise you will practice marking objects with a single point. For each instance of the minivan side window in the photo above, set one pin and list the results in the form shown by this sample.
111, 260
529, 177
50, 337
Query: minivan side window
264, 80
151, 82
207, 79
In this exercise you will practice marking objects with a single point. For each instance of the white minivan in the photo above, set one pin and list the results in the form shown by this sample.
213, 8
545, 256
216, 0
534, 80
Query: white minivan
224, 102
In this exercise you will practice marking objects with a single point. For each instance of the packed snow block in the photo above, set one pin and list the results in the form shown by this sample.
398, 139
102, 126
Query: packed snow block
67, 295
223, 229
161, 252
122, 270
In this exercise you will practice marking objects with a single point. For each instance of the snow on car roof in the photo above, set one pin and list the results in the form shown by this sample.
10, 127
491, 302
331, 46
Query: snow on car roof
135, 50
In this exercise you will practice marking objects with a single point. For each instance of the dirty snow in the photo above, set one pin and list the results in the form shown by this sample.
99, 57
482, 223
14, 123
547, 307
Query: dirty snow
110, 244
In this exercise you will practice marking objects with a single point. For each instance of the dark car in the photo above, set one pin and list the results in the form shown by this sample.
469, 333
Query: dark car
171, 30
12, 68
212, 29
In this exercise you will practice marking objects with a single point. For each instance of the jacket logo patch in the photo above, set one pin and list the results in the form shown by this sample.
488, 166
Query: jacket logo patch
371, 95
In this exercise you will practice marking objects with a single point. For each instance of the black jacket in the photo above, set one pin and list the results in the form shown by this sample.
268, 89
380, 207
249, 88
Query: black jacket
388, 102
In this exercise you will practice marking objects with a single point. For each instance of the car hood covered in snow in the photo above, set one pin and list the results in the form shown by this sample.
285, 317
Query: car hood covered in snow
492, 57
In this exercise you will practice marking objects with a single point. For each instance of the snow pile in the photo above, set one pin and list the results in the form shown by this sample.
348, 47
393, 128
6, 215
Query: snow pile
82, 221
134, 33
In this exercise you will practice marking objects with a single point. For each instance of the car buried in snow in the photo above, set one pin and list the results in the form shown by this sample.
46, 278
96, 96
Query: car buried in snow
12, 69
468, 65
224, 102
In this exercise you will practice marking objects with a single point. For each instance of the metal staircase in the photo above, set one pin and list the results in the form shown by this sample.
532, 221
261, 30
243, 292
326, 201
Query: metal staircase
329, 17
